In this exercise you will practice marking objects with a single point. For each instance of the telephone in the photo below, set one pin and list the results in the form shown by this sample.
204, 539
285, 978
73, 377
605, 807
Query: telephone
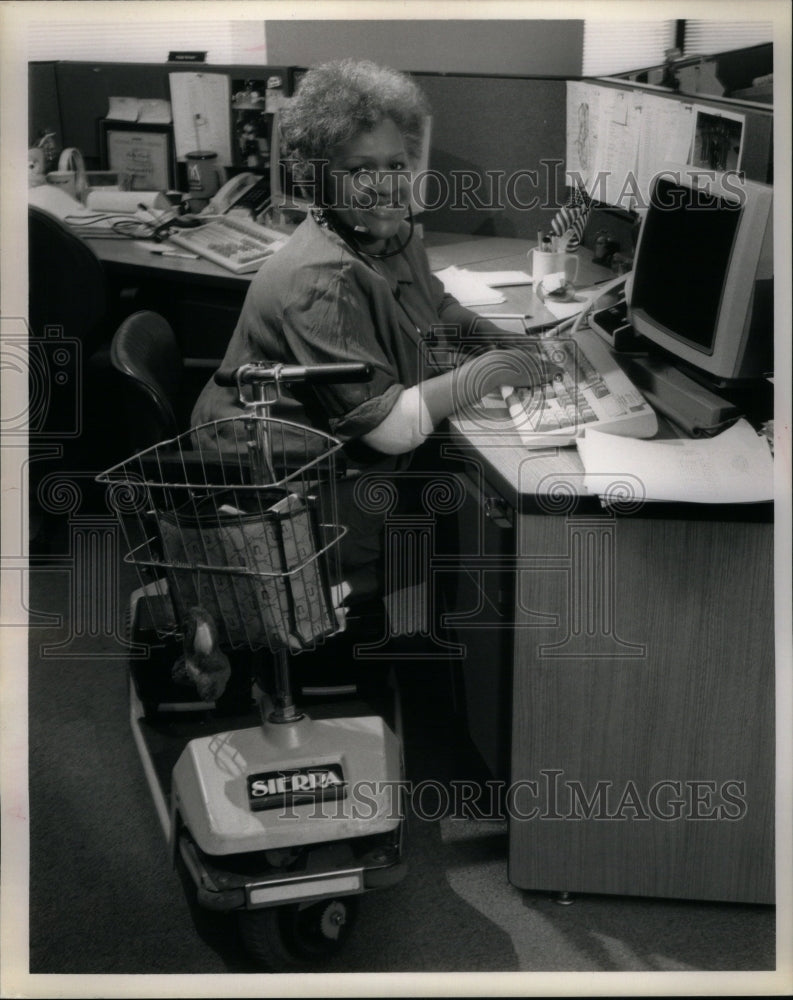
245, 191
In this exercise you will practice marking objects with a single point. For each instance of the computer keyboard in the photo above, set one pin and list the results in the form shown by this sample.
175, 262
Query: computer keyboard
593, 391
236, 244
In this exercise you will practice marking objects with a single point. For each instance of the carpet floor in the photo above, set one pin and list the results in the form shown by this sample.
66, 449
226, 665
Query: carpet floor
104, 898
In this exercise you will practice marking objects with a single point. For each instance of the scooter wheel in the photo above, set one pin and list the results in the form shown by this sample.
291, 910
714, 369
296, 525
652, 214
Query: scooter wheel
319, 930
283, 937
262, 934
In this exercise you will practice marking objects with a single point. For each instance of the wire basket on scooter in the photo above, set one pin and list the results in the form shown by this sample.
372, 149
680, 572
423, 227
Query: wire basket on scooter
240, 517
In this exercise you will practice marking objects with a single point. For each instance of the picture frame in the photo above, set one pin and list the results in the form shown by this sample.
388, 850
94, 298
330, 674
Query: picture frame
144, 152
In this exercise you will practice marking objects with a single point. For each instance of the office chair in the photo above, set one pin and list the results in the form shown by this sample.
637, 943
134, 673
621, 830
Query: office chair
70, 322
146, 356
67, 283
71, 329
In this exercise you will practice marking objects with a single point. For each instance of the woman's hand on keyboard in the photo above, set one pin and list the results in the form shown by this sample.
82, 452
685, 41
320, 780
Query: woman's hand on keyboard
525, 366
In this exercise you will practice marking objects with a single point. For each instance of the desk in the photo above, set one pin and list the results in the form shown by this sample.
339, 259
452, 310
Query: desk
618, 676
202, 300
631, 659
623, 663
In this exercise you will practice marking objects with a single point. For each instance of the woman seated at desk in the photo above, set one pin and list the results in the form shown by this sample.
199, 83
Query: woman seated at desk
353, 284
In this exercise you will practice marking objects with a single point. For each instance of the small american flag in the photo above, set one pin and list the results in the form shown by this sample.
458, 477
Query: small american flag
570, 221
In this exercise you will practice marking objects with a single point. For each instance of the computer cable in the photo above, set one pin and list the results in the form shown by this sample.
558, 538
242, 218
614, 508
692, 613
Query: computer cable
118, 225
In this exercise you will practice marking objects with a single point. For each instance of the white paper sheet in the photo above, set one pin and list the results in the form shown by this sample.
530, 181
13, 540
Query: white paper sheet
202, 114
123, 109
90, 221
620, 119
736, 466
139, 109
583, 131
667, 128
101, 200
501, 279
563, 310
154, 111
470, 288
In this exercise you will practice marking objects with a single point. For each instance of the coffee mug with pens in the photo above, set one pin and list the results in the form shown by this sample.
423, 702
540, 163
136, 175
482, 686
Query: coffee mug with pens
550, 258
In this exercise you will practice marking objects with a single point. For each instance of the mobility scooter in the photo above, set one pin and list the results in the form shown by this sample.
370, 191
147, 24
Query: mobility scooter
280, 814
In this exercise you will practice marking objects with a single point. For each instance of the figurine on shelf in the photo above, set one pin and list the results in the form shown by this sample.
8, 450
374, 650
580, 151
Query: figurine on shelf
37, 174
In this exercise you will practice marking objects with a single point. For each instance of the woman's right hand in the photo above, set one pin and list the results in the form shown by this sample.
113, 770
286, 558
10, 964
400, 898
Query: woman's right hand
419, 409
523, 366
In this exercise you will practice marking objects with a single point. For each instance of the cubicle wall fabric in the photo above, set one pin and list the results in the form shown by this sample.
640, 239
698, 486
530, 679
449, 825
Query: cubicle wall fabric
497, 154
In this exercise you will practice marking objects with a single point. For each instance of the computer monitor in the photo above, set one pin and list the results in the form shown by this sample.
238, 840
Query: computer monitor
702, 281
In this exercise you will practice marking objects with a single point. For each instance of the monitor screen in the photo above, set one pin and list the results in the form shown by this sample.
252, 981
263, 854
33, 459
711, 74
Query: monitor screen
687, 254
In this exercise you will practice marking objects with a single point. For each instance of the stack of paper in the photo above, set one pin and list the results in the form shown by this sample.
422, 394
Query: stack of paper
734, 467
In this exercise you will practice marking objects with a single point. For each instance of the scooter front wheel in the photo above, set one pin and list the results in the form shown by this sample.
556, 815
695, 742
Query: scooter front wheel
285, 937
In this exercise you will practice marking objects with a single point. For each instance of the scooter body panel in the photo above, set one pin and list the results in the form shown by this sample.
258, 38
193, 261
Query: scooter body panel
275, 786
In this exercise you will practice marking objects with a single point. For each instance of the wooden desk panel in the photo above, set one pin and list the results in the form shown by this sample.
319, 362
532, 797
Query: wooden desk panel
655, 692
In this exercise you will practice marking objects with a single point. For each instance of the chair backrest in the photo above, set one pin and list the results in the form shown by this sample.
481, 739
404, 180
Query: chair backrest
67, 283
145, 353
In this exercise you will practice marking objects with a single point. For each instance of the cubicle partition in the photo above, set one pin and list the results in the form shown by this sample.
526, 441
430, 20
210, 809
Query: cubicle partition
743, 74
500, 144
71, 98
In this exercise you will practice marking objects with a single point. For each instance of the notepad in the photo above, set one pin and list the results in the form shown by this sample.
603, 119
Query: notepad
736, 466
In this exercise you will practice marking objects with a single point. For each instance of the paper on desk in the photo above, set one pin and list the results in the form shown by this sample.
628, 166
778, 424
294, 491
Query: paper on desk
56, 201
60, 204
562, 310
469, 287
107, 200
734, 467
500, 279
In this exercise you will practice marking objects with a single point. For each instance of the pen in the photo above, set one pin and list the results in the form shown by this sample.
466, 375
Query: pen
174, 253
510, 316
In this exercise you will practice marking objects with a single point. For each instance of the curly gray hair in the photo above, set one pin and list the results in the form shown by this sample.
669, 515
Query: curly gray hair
336, 100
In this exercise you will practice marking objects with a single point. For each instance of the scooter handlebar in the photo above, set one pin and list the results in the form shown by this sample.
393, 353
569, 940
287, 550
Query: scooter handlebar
266, 373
